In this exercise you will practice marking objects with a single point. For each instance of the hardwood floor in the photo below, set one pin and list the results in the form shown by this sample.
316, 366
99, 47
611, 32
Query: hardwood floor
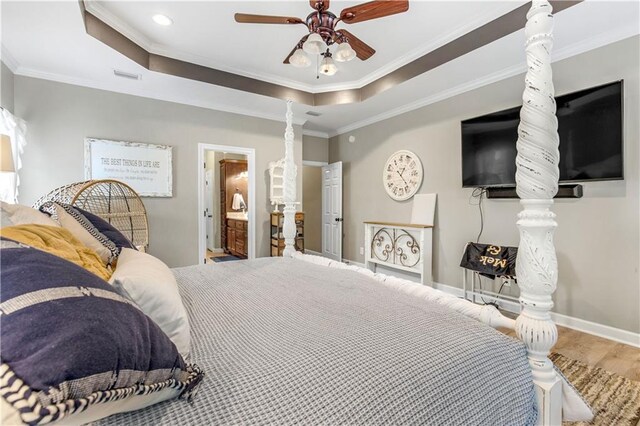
596, 351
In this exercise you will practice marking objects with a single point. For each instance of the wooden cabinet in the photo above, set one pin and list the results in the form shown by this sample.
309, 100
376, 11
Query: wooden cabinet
236, 237
231, 240
277, 239
233, 233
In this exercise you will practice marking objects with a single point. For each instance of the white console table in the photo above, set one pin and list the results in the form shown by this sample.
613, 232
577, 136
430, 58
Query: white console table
404, 246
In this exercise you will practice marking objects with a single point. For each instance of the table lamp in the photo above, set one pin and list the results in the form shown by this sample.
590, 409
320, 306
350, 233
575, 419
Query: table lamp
6, 157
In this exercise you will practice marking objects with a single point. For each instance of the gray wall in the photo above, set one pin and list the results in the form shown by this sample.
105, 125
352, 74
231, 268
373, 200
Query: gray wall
315, 148
312, 202
60, 116
598, 237
6, 87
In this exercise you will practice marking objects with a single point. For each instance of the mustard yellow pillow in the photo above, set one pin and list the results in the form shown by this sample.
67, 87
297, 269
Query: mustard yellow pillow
59, 242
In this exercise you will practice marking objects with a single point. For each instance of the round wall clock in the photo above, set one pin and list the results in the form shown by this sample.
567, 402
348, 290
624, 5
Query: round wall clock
402, 175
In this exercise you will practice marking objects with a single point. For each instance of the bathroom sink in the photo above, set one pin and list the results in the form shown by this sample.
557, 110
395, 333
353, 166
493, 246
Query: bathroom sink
237, 215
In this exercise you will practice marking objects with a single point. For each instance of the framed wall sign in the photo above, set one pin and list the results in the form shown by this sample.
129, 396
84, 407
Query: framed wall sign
144, 167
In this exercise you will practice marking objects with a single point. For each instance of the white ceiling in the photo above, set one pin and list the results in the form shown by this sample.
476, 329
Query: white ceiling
48, 40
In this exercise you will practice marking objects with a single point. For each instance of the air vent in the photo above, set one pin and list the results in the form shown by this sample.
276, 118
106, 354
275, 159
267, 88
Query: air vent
313, 113
129, 75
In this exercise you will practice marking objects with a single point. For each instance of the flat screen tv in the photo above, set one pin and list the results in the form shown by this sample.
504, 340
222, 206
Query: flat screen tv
590, 130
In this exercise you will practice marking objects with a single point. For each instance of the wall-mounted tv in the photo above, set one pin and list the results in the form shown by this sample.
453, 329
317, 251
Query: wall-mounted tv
591, 144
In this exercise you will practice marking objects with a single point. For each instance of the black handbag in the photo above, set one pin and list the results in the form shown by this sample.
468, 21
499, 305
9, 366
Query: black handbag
490, 260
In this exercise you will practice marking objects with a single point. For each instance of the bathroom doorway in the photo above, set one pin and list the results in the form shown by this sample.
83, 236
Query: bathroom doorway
226, 199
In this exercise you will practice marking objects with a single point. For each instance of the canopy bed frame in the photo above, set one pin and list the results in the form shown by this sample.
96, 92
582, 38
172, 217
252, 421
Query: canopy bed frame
536, 184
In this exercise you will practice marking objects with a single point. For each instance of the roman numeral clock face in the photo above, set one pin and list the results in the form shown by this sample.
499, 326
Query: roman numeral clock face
402, 175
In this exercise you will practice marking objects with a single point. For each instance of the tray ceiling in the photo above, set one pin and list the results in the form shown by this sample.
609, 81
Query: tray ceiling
47, 40
205, 33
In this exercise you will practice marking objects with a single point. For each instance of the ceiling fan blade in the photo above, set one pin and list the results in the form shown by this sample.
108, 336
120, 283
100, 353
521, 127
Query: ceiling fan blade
319, 4
245, 18
373, 10
363, 50
302, 40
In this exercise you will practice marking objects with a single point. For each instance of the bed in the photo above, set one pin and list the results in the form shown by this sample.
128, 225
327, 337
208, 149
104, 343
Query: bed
286, 341
303, 339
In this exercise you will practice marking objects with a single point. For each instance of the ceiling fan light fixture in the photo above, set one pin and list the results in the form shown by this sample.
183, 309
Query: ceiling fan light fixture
300, 59
327, 66
314, 45
345, 53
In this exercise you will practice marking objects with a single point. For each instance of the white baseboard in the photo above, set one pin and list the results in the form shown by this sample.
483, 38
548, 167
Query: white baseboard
311, 252
585, 326
616, 334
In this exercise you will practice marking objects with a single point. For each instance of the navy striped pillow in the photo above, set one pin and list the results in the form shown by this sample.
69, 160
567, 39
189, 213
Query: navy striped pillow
72, 341
106, 229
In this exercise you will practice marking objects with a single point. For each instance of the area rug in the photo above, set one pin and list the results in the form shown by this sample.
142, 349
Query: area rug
615, 399
225, 258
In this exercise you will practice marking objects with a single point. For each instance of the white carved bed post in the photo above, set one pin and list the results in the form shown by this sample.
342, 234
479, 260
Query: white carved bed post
289, 190
537, 183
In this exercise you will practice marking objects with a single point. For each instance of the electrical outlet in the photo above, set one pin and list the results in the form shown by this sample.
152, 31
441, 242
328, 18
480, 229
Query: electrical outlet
361, 250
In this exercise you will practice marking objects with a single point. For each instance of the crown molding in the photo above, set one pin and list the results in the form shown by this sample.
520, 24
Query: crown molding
150, 94
135, 36
315, 133
418, 52
204, 61
8, 59
99, 11
583, 46
468, 42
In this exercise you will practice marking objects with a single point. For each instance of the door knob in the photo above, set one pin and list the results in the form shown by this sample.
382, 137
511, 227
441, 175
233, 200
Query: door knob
338, 219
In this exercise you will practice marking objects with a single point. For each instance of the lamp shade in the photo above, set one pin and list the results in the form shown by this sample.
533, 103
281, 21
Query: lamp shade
314, 44
327, 66
344, 53
300, 59
6, 156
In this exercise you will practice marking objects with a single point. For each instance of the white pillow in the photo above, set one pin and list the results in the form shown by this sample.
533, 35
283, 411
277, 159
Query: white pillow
149, 283
16, 214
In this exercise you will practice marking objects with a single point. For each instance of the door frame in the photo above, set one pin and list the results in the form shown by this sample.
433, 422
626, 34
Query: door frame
251, 210
210, 242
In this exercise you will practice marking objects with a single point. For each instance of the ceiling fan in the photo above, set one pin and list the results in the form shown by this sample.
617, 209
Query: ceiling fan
321, 24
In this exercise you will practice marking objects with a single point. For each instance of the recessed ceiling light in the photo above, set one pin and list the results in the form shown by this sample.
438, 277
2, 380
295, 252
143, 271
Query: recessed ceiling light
162, 20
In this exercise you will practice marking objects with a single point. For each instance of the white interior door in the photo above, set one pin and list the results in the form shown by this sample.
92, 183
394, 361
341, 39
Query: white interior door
332, 211
209, 217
